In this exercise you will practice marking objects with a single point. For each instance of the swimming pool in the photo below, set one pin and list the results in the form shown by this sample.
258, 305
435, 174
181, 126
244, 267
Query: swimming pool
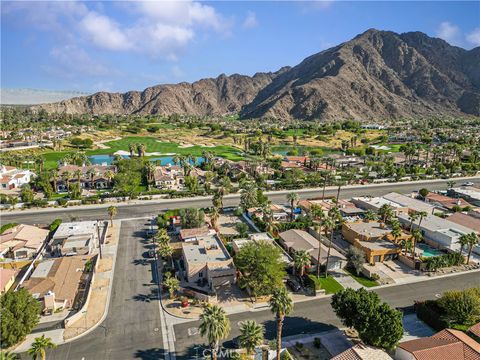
428, 251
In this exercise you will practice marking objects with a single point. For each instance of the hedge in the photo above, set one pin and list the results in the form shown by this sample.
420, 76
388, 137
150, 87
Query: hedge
430, 313
446, 260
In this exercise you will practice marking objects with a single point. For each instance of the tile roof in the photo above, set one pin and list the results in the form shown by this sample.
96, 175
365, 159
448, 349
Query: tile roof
447, 344
468, 221
362, 352
5, 276
475, 329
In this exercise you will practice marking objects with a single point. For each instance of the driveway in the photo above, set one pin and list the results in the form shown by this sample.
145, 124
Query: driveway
415, 328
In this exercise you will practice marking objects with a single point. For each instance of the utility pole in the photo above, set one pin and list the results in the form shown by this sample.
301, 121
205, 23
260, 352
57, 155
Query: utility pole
99, 239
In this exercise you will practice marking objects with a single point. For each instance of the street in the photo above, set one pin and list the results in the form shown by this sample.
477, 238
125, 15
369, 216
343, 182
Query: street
132, 328
317, 315
153, 207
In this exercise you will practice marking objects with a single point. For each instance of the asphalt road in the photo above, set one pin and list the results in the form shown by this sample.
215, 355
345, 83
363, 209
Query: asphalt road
317, 315
149, 208
131, 329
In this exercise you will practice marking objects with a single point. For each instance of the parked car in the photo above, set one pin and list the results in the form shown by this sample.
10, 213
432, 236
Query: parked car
294, 285
468, 183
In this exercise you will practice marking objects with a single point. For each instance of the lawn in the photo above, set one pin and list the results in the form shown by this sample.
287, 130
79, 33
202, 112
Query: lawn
362, 279
152, 145
329, 284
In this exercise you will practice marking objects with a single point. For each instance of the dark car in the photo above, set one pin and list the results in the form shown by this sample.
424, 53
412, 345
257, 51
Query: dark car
294, 285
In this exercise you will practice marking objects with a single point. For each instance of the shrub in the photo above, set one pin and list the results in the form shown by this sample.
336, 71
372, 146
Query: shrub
430, 313
312, 282
445, 260
5, 227
317, 343
62, 202
55, 224
462, 307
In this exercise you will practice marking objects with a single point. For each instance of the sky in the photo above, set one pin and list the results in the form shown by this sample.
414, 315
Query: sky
130, 45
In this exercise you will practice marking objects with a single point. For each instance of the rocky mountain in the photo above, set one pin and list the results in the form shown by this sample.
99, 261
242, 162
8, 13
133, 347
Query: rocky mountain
378, 74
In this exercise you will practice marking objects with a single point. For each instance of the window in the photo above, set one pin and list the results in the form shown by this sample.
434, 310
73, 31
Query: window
200, 274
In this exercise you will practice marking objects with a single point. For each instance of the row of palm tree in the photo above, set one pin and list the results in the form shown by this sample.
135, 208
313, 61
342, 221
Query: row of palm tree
215, 325
138, 148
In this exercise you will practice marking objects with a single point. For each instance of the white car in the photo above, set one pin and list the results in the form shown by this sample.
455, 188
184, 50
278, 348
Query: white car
468, 183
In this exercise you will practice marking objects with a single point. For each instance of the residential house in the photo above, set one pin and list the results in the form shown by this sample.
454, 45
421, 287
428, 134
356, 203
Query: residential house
7, 279
169, 177
22, 241
439, 232
55, 282
447, 344
193, 234
207, 262
76, 238
399, 203
466, 220
469, 193
91, 176
362, 352
374, 238
295, 240
256, 237
279, 212
446, 202
12, 178
346, 208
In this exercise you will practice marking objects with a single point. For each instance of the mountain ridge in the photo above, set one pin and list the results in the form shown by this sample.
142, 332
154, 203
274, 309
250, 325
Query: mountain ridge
377, 74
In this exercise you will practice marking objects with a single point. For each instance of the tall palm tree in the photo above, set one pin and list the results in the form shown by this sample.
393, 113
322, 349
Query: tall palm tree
416, 237
301, 259
91, 172
329, 224
413, 216
215, 326
39, 347
109, 175
66, 176
215, 214
292, 197
421, 215
251, 335
54, 176
472, 241
162, 237
370, 215
132, 148
386, 212
281, 305
78, 174
112, 212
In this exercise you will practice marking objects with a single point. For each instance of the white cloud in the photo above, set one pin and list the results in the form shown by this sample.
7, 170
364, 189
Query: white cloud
474, 37
250, 21
315, 5
71, 62
449, 32
177, 71
104, 32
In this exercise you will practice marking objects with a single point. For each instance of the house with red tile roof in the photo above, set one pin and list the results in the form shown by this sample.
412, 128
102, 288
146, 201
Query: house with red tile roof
448, 344
12, 178
446, 202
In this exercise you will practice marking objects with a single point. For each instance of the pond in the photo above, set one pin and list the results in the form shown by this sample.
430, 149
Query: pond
108, 159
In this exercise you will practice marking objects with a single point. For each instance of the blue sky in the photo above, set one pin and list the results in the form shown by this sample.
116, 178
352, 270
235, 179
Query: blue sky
119, 46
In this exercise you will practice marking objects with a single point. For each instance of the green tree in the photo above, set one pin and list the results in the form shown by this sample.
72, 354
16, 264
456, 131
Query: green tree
215, 326
20, 314
376, 323
301, 259
242, 229
356, 259
423, 192
40, 346
462, 307
248, 197
165, 251
251, 335
26, 194
261, 266
112, 212
162, 237
192, 218
472, 241
281, 305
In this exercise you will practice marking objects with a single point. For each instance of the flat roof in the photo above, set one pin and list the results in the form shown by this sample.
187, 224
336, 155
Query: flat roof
207, 249
436, 223
75, 228
369, 229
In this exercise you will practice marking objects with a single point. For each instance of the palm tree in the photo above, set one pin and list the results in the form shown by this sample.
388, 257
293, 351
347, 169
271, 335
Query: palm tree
112, 212
413, 216
386, 212
39, 347
215, 326
421, 215
472, 241
416, 237
54, 175
78, 174
162, 237
450, 184
109, 175
165, 251
329, 224
150, 169
370, 215
141, 149
214, 216
292, 197
301, 260
281, 305
66, 176
91, 172
463, 241
132, 147
251, 335
172, 284
7, 355
396, 232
